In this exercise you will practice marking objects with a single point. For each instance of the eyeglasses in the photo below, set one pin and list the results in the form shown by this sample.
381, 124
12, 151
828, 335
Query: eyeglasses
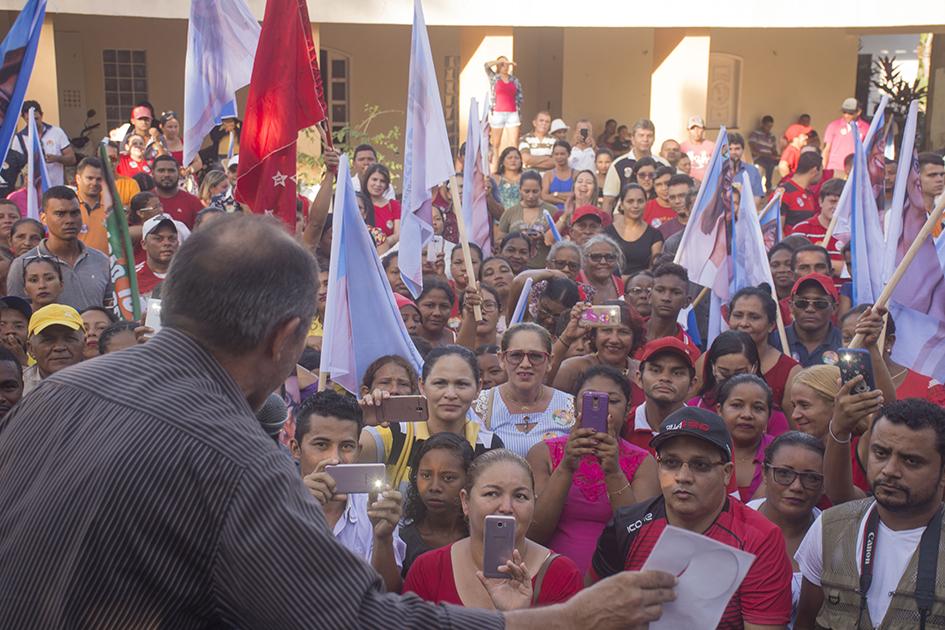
561, 265
786, 476
723, 374
535, 358
599, 258
818, 304
697, 466
489, 307
639, 291
646, 175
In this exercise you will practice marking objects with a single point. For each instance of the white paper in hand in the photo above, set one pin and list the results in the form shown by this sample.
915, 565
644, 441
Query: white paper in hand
709, 573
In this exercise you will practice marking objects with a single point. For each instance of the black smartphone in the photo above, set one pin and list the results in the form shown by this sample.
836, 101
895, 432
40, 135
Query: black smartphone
853, 362
584, 133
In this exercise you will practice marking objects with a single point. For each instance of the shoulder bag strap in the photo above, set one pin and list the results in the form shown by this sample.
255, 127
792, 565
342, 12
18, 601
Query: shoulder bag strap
540, 576
400, 468
928, 567
490, 403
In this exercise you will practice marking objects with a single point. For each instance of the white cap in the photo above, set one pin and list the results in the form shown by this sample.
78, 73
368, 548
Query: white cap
160, 219
695, 121
233, 160
557, 125
850, 105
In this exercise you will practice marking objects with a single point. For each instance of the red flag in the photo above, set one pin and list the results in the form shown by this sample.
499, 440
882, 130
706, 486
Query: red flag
285, 96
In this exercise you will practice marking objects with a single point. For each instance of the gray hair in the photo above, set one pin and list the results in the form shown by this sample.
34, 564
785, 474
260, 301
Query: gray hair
643, 123
563, 244
236, 281
603, 238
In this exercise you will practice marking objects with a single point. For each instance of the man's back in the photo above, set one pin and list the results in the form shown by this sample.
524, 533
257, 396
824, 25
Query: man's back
135, 511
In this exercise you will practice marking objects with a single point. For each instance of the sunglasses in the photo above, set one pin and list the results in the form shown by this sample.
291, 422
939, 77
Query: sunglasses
599, 258
535, 358
565, 264
646, 175
818, 304
786, 476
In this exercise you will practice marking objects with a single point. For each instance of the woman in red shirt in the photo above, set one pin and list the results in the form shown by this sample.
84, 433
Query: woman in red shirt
133, 161
386, 212
498, 482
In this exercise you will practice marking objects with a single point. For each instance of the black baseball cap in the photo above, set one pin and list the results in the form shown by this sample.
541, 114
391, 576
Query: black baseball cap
698, 423
17, 304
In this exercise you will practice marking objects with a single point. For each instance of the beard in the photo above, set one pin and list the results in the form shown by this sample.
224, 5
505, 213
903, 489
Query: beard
911, 500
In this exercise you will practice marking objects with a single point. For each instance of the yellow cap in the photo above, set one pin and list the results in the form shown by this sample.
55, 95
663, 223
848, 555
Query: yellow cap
52, 315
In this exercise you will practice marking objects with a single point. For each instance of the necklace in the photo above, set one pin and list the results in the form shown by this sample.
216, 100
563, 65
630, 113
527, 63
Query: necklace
525, 405
896, 376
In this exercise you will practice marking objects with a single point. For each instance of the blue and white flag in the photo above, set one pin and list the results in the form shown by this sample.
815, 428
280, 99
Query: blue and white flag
867, 244
475, 210
357, 286
770, 220
222, 36
17, 55
428, 161
37, 177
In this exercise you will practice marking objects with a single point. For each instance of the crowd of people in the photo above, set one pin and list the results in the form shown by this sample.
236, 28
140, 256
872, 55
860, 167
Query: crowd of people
752, 443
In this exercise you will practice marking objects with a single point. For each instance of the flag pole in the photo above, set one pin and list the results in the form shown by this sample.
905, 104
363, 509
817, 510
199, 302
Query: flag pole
702, 295
782, 332
778, 193
934, 219
464, 241
322, 380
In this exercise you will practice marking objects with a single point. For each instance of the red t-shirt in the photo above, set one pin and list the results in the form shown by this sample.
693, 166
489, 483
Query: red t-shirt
384, 216
791, 155
764, 597
812, 230
798, 204
129, 168
147, 279
656, 214
431, 578
182, 206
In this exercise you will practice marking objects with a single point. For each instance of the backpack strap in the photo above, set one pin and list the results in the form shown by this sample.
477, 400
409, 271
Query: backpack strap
540, 576
928, 567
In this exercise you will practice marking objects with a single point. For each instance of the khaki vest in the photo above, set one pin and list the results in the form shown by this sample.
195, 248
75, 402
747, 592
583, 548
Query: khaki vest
840, 579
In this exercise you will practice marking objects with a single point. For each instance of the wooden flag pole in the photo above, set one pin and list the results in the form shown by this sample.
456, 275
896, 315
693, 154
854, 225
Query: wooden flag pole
934, 219
702, 295
322, 380
464, 241
782, 333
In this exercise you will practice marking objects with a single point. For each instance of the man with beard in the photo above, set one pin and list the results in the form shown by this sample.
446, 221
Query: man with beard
180, 204
873, 562
162, 238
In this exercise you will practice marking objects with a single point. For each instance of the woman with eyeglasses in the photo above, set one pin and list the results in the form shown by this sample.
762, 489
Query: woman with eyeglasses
644, 174
793, 486
497, 273
602, 263
637, 292
638, 241
744, 403
567, 257
582, 479
473, 334
753, 311
612, 346
42, 280
523, 410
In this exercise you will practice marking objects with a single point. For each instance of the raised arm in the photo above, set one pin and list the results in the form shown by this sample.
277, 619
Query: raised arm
318, 213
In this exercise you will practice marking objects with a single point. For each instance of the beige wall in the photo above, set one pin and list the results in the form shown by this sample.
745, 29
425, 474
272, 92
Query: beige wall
678, 82
606, 74
540, 55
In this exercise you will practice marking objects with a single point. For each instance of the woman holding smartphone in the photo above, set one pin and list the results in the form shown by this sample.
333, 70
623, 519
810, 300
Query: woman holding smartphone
433, 514
498, 483
450, 383
582, 478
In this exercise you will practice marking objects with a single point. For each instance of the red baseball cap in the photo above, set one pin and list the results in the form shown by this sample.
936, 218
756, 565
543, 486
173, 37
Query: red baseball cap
823, 281
402, 302
667, 344
586, 211
795, 130
141, 112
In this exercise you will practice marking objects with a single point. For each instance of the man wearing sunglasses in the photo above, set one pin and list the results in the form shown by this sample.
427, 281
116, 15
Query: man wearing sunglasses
693, 450
812, 337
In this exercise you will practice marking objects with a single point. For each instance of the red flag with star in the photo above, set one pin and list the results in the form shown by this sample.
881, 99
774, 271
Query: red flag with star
285, 96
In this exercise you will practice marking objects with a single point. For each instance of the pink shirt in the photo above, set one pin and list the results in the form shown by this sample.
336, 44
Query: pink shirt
838, 136
699, 155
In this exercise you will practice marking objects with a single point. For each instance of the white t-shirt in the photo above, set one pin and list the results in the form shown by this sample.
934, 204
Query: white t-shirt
582, 159
55, 141
894, 550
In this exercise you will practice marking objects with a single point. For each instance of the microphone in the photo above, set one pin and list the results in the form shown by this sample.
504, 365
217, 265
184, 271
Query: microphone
272, 415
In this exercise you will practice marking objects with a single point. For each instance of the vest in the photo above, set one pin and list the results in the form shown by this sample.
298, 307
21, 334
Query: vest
840, 580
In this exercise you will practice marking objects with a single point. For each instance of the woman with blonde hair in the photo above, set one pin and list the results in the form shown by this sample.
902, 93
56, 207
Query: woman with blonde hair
214, 185
813, 395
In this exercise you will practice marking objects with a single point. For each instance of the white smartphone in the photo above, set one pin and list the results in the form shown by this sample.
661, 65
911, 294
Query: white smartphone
357, 478
436, 246
153, 318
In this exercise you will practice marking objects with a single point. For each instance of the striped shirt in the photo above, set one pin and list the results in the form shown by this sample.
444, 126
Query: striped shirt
147, 498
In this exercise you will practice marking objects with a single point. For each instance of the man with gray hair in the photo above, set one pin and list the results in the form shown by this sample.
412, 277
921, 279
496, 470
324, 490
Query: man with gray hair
165, 504
621, 170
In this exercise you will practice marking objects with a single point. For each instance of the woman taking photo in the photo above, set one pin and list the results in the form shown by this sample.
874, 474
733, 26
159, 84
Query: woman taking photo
794, 485
435, 302
638, 241
582, 479
557, 184
386, 215
505, 182
753, 311
613, 346
42, 281
433, 513
392, 374
524, 410
450, 383
602, 263
528, 218
744, 402
498, 483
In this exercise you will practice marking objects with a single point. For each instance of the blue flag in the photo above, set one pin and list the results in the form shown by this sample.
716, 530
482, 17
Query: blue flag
37, 177
867, 244
362, 321
770, 220
18, 52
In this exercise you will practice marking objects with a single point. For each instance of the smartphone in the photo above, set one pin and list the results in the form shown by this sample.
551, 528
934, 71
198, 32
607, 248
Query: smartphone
404, 409
436, 246
153, 318
594, 411
499, 542
601, 316
584, 132
854, 361
357, 478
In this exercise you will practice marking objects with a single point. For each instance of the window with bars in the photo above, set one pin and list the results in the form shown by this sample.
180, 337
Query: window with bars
126, 83
335, 69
